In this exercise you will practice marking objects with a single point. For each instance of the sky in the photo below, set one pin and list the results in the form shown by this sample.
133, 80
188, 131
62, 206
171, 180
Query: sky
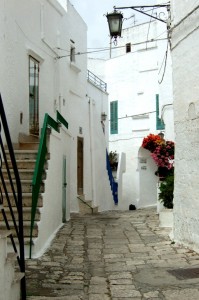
93, 13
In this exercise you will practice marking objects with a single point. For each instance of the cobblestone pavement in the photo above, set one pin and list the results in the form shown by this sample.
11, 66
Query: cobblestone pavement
114, 255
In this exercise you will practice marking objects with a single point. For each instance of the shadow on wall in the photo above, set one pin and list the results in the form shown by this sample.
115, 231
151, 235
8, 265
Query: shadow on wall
147, 179
121, 170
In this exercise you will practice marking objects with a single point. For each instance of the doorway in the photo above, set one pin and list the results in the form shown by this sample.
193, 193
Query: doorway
80, 165
33, 96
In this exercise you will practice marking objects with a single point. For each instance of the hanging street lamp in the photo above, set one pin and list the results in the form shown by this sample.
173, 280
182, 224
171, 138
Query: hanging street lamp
115, 19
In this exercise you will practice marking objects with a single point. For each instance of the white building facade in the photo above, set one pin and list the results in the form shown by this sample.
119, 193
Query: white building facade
185, 43
39, 41
138, 104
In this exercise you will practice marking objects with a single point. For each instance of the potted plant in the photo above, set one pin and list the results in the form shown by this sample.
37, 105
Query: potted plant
113, 158
166, 191
165, 196
162, 153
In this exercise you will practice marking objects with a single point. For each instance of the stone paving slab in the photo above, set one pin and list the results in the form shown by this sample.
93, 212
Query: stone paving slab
112, 256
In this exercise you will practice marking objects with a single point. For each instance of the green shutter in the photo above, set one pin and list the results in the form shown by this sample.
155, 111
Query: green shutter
159, 123
114, 117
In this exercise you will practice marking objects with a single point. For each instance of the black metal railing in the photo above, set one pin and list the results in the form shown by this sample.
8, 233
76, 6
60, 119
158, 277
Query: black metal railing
10, 187
96, 81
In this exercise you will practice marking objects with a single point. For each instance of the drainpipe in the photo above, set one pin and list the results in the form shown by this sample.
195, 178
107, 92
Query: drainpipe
163, 107
93, 181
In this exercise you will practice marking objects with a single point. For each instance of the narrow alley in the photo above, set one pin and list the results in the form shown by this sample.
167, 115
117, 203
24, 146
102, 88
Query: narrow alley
114, 256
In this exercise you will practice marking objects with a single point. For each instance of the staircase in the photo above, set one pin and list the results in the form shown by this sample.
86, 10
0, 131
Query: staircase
12, 283
25, 155
113, 183
9, 276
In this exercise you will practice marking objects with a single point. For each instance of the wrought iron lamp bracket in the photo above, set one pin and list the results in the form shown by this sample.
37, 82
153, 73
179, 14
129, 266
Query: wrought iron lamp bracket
141, 9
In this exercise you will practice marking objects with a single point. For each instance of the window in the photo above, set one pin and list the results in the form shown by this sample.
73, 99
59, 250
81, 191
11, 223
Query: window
114, 117
159, 122
33, 96
128, 47
72, 54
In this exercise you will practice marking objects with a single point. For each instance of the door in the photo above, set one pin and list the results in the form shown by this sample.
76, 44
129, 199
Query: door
80, 165
33, 96
64, 185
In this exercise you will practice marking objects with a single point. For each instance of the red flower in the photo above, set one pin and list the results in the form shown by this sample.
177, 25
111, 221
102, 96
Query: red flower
151, 142
161, 151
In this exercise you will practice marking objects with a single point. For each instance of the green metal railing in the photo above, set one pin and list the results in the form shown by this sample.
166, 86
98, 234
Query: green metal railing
61, 119
39, 166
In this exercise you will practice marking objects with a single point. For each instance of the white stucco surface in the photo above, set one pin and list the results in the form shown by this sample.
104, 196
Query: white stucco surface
47, 31
186, 116
52, 210
147, 179
132, 79
120, 174
99, 188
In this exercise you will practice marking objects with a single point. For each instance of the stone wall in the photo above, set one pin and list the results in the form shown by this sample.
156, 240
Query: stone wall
185, 44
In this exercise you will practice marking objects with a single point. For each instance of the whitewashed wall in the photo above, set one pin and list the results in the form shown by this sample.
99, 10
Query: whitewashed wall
52, 210
46, 30
132, 79
99, 189
185, 43
147, 179
165, 76
120, 174
39, 33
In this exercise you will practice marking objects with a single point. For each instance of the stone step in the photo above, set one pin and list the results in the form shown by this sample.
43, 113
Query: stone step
13, 277
24, 154
26, 245
23, 174
26, 228
27, 141
9, 270
26, 200
15, 292
26, 214
26, 186
18, 276
5, 233
86, 206
11, 258
95, 210
21, 164
26, 146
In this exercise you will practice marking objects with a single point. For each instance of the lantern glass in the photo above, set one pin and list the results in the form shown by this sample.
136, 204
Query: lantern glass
115, 23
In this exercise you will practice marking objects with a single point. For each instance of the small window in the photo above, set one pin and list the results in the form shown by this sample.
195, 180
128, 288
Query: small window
159, 122
114, 117
33, 96
72, 54
128, 47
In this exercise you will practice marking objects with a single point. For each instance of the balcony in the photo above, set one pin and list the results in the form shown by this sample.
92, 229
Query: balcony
96, 81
